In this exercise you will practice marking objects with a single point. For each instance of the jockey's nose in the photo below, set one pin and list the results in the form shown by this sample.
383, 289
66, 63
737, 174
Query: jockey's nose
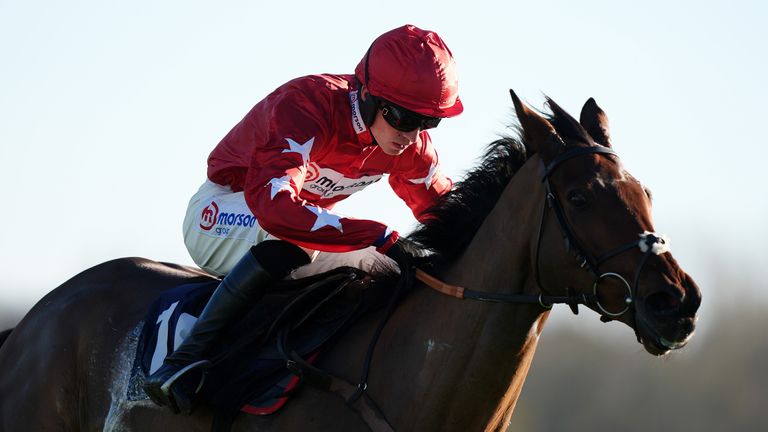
411, 135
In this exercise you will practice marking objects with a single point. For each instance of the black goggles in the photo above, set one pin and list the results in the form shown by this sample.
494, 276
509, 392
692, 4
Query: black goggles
406, 120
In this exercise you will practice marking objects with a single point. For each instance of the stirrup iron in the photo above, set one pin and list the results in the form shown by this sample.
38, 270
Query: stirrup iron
166, 387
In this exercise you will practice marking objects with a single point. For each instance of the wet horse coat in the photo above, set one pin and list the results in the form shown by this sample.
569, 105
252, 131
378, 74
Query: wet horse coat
441, 363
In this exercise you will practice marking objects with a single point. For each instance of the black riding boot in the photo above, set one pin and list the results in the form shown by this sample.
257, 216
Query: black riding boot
176, 383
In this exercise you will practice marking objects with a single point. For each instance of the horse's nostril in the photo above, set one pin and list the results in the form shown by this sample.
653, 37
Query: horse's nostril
662, 304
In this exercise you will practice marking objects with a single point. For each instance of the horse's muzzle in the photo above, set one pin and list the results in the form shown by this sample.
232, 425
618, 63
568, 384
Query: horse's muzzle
666, 318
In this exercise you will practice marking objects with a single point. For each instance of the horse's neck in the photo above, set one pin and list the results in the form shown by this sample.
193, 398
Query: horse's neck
460, 365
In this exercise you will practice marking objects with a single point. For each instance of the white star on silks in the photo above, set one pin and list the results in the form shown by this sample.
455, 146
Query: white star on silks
302, 149
324, 218
428, 179
281, 184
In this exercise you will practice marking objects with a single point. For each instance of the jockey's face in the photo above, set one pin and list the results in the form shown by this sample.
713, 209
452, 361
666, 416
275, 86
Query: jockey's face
392, 141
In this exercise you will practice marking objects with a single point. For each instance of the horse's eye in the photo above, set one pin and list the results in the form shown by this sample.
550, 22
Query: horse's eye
577, 199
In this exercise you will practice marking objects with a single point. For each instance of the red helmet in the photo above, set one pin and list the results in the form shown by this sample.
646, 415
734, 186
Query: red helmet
414, 69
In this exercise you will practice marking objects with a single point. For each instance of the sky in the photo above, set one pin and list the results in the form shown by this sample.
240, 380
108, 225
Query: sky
109, 109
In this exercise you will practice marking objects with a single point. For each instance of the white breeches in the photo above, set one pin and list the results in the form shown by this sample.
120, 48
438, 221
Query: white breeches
219, 228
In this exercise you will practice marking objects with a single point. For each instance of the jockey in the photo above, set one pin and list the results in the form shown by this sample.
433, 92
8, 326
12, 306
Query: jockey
265, 211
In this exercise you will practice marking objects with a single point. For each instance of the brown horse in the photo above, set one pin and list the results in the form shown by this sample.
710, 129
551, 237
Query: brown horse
571, 220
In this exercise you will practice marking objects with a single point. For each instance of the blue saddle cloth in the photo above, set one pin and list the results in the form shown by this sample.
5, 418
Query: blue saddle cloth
249, 370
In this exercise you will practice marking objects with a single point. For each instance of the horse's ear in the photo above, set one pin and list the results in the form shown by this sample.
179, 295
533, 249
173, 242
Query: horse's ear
538, 134
594, 120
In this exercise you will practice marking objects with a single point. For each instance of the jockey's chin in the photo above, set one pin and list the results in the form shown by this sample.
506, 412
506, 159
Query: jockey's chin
393, 148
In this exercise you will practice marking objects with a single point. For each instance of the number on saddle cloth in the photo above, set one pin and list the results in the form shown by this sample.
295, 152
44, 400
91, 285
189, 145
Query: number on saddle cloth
169, 320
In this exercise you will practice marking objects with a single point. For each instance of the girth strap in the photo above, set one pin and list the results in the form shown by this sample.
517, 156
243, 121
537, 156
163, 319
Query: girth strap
356, 397
365, 406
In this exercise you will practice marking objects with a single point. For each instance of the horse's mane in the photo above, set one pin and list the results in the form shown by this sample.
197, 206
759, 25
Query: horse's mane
456, 217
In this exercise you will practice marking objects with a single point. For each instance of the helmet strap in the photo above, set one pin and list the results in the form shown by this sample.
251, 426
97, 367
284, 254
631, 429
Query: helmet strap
368, 106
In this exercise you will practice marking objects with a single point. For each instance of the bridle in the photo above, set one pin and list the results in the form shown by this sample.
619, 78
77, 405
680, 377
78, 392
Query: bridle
649, 244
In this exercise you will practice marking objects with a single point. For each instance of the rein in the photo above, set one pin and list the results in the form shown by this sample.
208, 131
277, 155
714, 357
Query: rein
545, 301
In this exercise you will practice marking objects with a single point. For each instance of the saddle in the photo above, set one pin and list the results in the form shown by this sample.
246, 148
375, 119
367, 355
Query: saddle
254, 365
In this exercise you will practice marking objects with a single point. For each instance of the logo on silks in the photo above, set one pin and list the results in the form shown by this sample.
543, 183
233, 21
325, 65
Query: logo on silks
357, 119
209, 216
214, 220
328, 183
313, 172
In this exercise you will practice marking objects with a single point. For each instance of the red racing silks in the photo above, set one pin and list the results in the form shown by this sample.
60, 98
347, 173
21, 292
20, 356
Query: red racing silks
303, 148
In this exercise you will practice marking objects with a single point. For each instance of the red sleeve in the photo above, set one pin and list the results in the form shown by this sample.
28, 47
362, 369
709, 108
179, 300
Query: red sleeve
420, 182
297, 130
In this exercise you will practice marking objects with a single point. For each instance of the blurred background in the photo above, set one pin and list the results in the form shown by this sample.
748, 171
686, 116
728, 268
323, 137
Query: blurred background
108, 111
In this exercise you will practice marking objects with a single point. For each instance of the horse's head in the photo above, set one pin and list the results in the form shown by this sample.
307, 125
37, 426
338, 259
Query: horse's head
611, 252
